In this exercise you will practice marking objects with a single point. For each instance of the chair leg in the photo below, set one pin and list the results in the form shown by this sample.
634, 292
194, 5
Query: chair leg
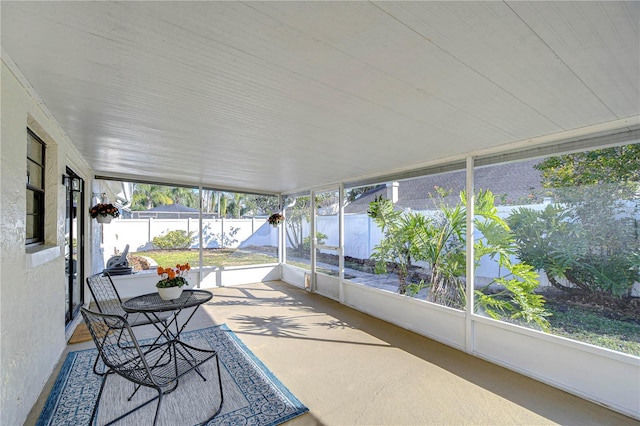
221, 393
219, 385
155, 419
135, 390
95, 367
95, 406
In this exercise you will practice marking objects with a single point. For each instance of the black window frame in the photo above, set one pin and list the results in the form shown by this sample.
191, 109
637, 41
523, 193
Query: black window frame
37, 210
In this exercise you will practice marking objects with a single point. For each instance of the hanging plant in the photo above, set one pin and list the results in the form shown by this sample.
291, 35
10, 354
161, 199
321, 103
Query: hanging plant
104, 210
275, 219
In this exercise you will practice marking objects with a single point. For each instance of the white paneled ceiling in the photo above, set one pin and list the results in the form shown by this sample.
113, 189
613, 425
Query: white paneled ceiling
281, 96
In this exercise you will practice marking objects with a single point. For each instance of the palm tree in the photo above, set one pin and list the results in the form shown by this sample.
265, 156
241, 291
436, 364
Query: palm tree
147, 196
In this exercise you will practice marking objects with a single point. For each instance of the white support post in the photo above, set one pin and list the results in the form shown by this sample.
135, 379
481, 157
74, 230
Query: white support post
313, 241
341, 242
282, 246
200, 240
469, 335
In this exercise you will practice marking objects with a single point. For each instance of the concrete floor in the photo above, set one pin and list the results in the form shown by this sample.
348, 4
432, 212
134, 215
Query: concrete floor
350, 368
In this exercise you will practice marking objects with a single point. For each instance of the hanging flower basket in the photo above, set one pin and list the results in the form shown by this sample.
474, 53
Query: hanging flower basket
275, 219
104, 219
103, 213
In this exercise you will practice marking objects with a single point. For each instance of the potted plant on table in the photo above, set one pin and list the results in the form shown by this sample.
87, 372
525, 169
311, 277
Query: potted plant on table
104, 212
170, 286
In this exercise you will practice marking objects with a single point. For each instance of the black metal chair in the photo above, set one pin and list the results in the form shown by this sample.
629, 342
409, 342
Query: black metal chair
158, 366
108, 301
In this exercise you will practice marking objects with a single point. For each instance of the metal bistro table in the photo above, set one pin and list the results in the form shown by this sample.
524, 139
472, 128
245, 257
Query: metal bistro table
152, 304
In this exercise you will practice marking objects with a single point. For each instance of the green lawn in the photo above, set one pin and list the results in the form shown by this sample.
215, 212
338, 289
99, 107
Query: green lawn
210, 257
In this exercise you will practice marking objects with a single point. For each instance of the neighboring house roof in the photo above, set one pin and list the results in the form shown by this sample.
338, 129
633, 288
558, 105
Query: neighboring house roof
511, 183
167, 211
171, 208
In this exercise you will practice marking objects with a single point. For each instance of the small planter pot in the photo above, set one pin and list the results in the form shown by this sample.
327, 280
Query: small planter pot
170, 293
104, 219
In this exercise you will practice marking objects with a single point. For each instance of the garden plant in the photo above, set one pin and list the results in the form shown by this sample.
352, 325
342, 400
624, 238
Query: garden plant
440, 240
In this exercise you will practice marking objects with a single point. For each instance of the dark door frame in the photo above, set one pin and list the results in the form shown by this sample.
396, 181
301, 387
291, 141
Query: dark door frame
74, 261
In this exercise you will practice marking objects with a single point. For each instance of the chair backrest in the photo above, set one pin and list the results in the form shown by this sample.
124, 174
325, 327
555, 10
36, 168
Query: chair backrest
105, 294
118, 346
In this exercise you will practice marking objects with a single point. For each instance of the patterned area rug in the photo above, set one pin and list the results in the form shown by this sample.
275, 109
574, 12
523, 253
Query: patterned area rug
252, 394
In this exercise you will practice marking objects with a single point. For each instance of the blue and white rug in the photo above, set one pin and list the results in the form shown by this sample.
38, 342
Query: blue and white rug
252, 394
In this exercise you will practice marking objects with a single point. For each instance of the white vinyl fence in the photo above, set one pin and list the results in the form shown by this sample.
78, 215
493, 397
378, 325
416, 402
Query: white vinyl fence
361, 235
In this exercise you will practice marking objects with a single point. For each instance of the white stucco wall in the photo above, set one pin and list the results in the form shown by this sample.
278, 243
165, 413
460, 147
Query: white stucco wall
32, 287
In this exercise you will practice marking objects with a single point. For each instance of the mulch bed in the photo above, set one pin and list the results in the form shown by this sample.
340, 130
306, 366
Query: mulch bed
137, 263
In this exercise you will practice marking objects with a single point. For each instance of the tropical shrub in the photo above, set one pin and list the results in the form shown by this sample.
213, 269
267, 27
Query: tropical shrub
440, 240
589, 240
575, 252
176, 239
399, 242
